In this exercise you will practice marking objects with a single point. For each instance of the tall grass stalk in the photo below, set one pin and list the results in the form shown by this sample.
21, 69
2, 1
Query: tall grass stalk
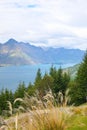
50, 120
41, 114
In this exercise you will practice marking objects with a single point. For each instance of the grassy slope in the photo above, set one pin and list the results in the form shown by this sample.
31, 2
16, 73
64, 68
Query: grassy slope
78, 122
54, 120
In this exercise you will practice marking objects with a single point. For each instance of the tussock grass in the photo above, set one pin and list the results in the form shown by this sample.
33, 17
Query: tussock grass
47, 119
52, 120
43, 114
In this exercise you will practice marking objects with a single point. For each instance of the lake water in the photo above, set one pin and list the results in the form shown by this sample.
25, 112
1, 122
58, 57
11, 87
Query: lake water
11, 76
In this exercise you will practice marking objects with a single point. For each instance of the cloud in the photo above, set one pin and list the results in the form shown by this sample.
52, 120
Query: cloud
45, 22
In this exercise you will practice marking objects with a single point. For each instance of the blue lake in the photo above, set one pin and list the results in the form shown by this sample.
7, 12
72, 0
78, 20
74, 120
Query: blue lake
11, 76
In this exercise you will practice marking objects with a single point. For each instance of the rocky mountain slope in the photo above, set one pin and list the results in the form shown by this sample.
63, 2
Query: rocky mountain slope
19, 53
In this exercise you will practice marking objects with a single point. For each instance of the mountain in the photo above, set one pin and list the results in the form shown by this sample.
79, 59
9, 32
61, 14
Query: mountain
13, 52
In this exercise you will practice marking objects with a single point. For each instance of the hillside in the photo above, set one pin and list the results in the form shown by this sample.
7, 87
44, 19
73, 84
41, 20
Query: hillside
72, 70
19, 53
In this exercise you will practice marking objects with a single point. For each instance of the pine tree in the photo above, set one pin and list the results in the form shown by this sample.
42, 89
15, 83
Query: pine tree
20, 91
60, 80
66, 80
81, 80
53, 72
38, 77
45, 84
31, 89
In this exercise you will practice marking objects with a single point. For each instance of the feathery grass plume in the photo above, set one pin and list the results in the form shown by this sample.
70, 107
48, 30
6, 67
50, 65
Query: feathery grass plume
20, 108
48, 99
15, 111
60, 98
49, 96
18, 99
10, 107
31, 102
67, 97
63, 100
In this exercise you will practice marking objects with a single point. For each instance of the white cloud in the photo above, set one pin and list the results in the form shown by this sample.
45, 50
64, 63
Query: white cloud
45, 22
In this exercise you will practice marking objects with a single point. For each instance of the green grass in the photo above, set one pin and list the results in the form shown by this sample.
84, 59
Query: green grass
78, 122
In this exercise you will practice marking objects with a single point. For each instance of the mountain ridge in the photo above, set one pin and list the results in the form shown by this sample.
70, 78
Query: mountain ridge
13, 52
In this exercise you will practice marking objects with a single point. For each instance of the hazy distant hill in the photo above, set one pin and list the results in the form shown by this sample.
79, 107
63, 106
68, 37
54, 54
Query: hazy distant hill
19, 53
72, 70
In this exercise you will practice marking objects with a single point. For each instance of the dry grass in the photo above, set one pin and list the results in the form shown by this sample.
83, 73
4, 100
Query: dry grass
43, 115
81, 110
53, 119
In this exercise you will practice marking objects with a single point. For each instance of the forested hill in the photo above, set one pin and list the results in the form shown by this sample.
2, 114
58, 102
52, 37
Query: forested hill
19, 53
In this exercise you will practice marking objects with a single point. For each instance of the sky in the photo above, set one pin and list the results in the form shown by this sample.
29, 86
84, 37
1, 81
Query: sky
56, 23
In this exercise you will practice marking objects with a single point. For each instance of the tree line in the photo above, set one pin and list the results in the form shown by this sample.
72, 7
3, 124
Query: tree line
57, 80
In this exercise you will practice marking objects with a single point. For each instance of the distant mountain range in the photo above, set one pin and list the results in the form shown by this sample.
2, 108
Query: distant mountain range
19, 53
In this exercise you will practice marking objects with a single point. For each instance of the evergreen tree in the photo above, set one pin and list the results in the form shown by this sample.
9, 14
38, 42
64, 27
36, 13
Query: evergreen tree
60, 80
19, 93
45, 84
66, 80
2, 101
38, 77
5, 95
53, 72
31, 89
81, 80
73, 86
